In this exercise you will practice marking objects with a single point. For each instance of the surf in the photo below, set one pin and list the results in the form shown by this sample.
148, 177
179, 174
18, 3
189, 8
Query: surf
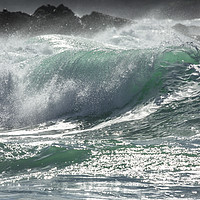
85, 79
89, 117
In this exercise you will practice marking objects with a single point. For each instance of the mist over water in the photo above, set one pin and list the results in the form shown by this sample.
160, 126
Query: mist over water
112, 117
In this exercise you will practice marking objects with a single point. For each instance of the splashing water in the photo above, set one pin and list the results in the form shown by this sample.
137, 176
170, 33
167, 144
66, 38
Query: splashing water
115, 117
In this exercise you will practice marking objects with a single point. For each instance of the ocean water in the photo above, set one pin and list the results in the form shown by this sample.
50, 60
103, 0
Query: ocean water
113, 117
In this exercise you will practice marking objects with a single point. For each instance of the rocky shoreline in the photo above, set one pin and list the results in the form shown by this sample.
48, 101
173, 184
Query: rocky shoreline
49, 19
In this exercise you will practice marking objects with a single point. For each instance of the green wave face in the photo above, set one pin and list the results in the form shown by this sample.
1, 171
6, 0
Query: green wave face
47, 157
90, 79
94, 82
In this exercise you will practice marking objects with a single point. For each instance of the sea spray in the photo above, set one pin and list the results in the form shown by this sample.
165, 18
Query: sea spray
92, 81
100, 119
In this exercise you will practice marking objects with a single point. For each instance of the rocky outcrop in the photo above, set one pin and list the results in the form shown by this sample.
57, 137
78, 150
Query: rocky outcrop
190, 31
97, 21
11, 22
49, 19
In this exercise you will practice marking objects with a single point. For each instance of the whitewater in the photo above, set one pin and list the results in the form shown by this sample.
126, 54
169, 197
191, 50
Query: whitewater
116, 116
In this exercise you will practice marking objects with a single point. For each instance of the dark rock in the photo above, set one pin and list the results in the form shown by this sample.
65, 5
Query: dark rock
52, 20
11, 22
43, 11
62, 10
49, 10
97, 21
49, 19
5, 10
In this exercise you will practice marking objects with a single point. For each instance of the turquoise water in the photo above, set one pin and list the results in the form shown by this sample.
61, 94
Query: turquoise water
113, 117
